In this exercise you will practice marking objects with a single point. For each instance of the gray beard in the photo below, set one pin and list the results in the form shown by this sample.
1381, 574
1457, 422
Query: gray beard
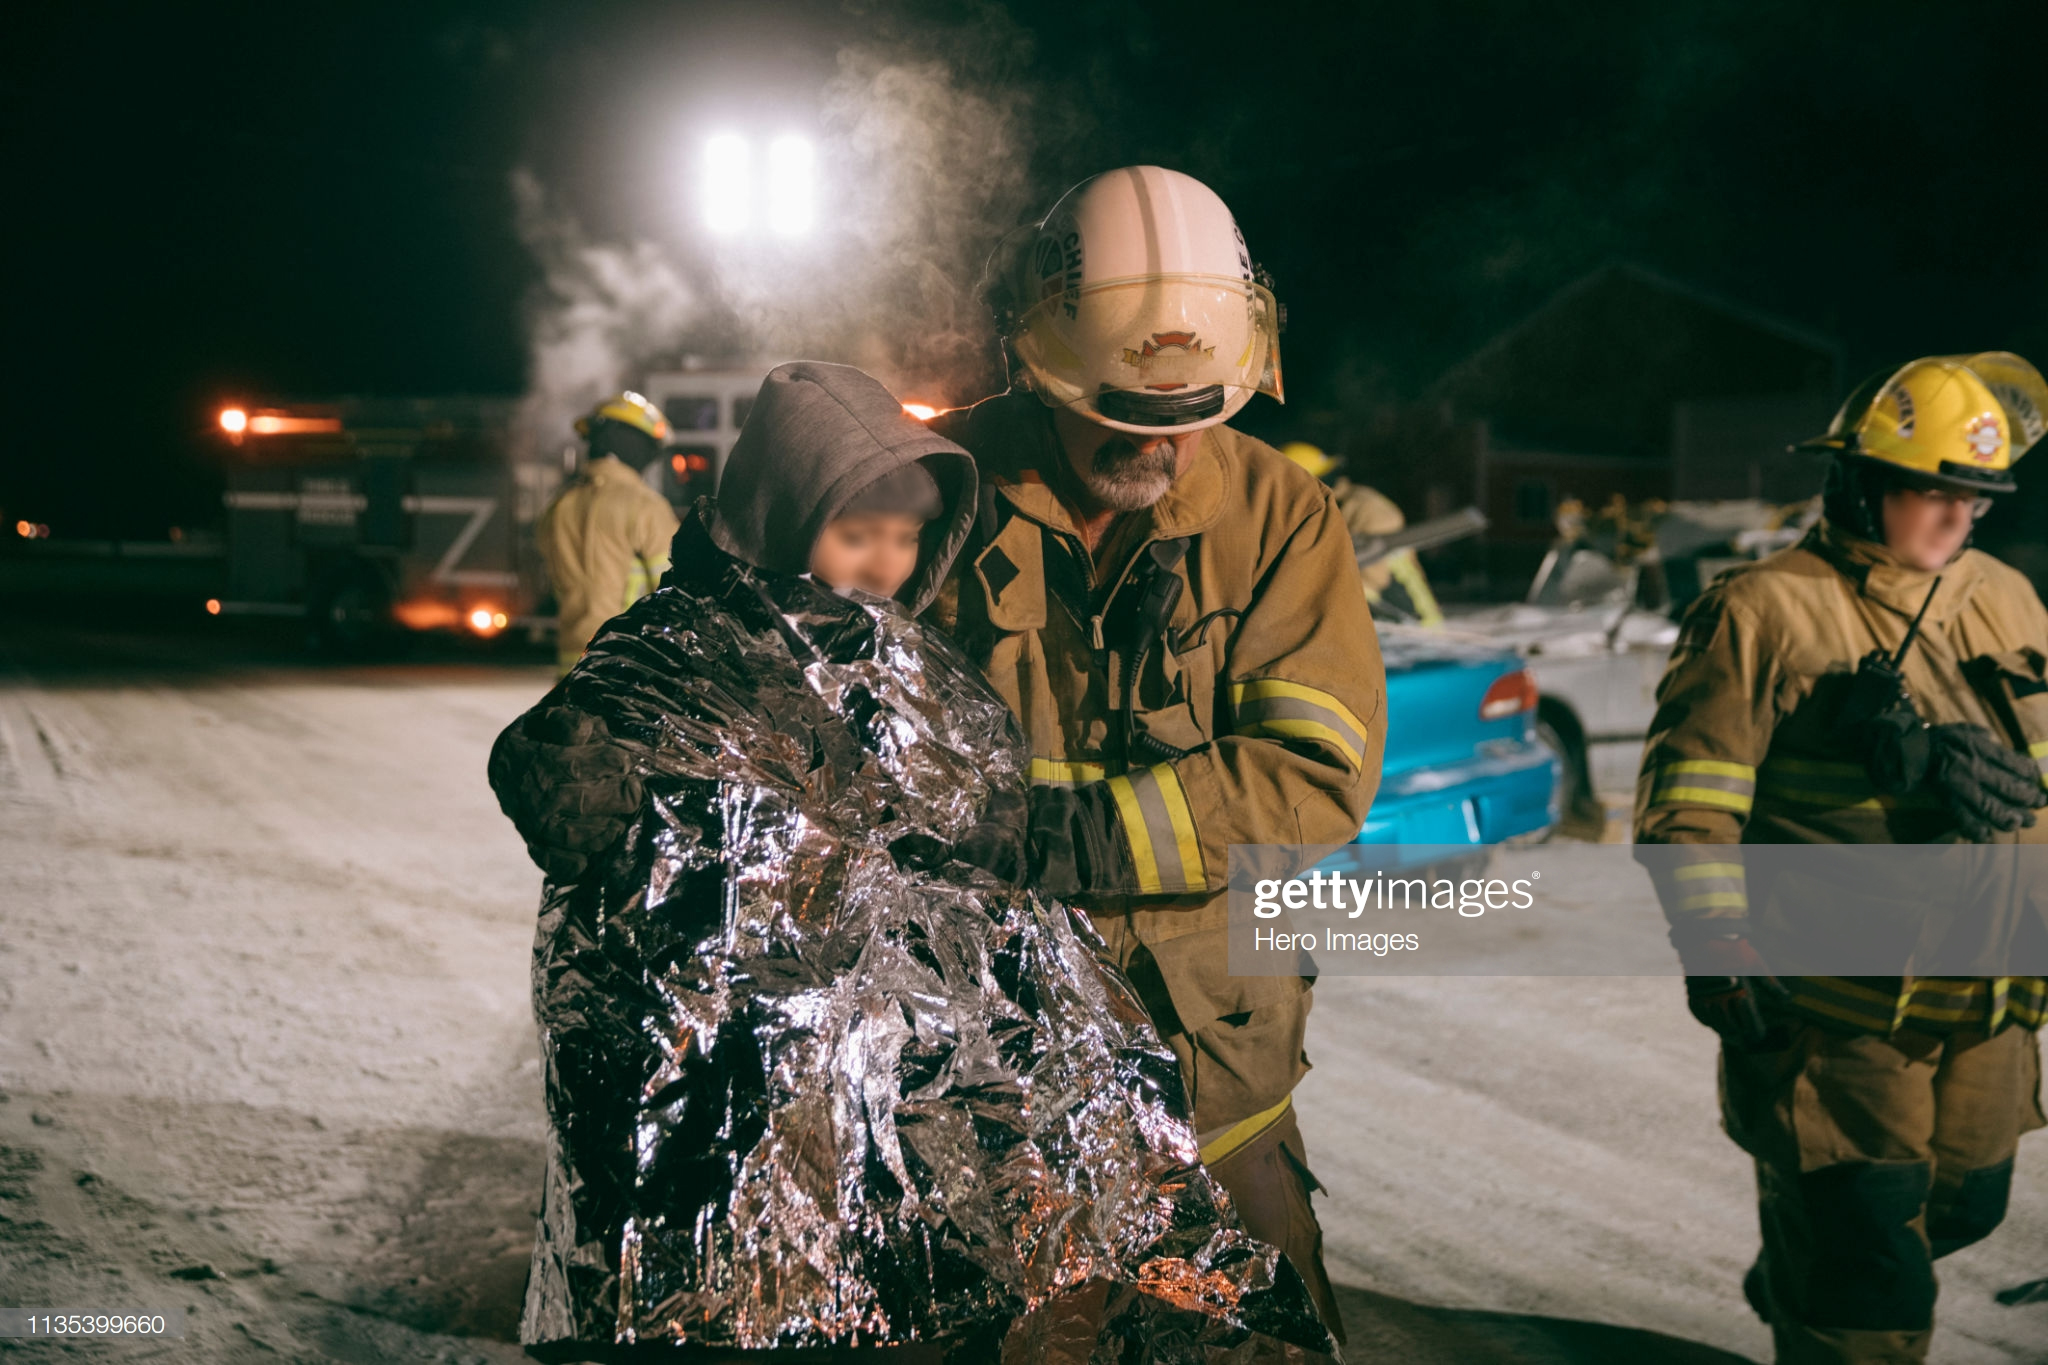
1121, 477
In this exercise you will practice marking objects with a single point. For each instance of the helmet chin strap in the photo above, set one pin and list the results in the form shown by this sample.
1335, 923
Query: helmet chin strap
1853, 497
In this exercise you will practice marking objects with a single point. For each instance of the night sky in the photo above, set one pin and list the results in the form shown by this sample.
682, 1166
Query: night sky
213, 201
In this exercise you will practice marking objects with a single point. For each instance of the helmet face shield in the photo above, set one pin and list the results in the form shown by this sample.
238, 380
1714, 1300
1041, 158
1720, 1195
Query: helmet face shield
1155, 354
2019, 389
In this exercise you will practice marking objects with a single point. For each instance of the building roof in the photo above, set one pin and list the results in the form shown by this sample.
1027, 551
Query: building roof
1601, 366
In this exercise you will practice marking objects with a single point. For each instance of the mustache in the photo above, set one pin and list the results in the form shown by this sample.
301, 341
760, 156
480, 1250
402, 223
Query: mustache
1121, 457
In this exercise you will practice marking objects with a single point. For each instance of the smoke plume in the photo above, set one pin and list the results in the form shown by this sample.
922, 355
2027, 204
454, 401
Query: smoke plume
924, 165
602, 313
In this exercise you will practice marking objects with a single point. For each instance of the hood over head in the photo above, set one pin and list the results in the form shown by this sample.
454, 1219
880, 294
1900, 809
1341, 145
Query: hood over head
817, 437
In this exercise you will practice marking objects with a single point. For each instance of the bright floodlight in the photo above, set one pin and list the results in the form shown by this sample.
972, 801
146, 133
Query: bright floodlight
727, 183
792, 172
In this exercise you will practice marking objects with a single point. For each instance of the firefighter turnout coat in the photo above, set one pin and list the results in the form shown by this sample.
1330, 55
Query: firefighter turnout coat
1265, 690
605, 540
1741, 749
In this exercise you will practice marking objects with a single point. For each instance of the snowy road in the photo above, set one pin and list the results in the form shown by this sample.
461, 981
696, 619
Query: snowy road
266, 1053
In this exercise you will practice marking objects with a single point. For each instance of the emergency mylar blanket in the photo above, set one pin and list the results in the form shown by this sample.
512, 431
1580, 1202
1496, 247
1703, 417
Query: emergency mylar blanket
800, 1095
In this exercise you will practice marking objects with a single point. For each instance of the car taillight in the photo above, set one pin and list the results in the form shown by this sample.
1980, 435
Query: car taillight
1510, 695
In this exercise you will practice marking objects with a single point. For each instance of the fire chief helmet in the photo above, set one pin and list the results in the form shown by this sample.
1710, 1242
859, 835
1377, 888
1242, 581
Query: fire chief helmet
627, 409
1137, 306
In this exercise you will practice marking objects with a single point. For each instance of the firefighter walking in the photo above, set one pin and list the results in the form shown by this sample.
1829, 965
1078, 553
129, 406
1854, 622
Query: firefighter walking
605, 536
1882, 1114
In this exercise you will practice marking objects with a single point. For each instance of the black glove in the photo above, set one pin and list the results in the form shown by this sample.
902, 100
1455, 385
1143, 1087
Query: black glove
998, 844
1077, 843
1729, 988
995, 845
1989, 786
568, 786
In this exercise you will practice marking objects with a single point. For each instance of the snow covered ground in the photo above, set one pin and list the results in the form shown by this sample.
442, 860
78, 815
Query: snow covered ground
265, 1054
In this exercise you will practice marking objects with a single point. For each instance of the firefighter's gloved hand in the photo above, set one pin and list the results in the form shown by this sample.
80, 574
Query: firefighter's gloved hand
568, 786
996, 844
1989, 786
1077, 844
1728, 986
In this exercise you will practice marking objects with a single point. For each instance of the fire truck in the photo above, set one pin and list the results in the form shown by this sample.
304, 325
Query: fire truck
370, 517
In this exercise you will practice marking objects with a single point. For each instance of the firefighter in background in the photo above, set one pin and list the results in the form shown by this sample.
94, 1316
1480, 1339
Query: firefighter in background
605, 536
1883, 1114
1398, 579
1169, 608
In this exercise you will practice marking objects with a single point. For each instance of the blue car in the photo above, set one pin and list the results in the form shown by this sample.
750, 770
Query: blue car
1464, 762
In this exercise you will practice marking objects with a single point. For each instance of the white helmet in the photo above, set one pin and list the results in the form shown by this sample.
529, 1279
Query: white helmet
1137, 306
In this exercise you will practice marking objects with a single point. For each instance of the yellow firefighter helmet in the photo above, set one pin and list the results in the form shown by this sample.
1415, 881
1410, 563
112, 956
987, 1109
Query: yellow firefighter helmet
629, 408
1958, 420
1314, 459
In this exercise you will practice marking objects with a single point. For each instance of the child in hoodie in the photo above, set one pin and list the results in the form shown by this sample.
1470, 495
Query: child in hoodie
812, 1079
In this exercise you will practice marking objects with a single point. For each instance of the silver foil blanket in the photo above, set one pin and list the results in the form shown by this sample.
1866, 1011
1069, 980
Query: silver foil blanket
803, 1094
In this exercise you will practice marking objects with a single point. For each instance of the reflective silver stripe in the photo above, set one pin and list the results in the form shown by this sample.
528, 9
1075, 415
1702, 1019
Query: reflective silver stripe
1274, 708
1711, 884
1160, 826
1705, 782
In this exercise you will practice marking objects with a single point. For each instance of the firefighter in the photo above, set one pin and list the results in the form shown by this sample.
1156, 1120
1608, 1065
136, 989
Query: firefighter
605, 537
1397, 580
1171, 609
1882, 1114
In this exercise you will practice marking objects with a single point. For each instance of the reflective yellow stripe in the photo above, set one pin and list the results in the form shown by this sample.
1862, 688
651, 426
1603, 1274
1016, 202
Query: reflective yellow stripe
1702, 796
1978, 1002
2038, 749
1713, 900
1705, 782
1696, 872
1065, 771
1843, 986
1273, 708
642, 577
1134, 830
1189, 846
1279, 728
1711, 767
1161, 829
1238, 1134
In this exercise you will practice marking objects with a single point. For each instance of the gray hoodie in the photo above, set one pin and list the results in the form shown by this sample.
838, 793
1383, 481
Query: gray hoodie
818, 435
